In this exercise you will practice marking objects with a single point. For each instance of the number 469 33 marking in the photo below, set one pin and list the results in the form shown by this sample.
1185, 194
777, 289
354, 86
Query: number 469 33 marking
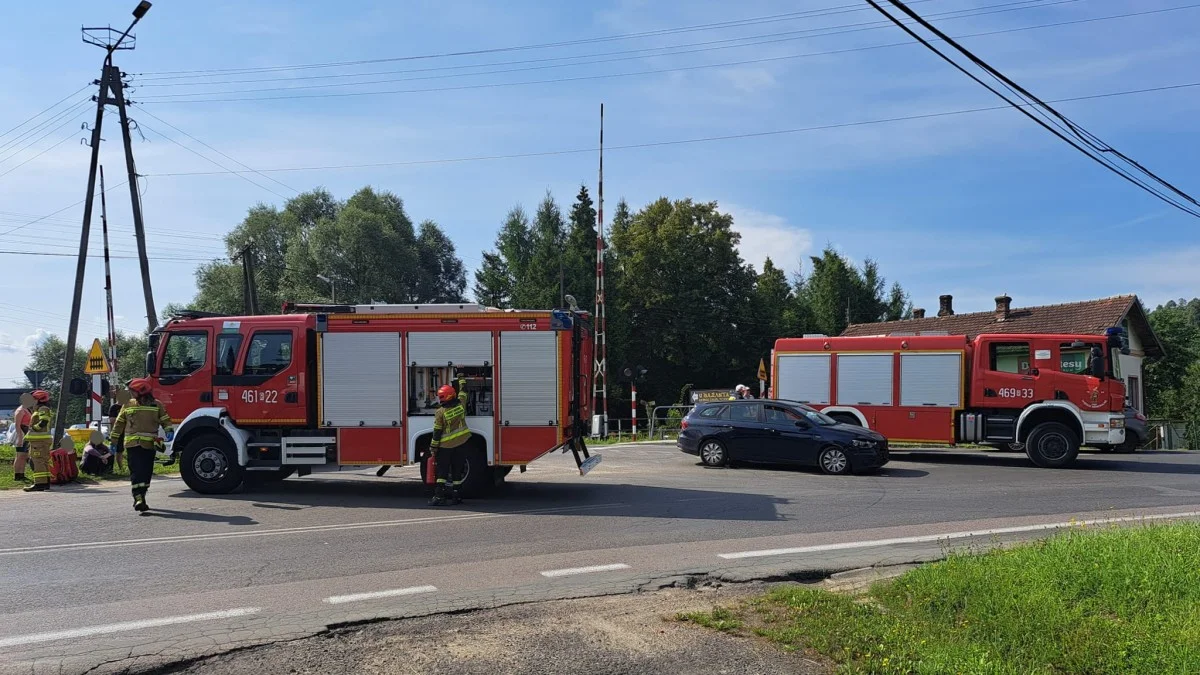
1013, 392
260, 396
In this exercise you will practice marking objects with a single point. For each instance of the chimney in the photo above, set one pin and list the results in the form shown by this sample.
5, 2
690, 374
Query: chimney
918, 312
1003, 305
945, 305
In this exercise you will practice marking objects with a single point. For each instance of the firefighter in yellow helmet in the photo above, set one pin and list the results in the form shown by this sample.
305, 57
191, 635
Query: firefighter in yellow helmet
450, 432
40, 438
136, 431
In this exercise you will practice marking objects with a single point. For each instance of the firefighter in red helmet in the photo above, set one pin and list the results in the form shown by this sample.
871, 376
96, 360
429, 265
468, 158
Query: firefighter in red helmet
450, 433
40, 438
136, 431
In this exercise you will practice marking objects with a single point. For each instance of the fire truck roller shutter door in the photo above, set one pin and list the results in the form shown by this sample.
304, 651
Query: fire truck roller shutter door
462, 348
360, 379
803, 378
931, 379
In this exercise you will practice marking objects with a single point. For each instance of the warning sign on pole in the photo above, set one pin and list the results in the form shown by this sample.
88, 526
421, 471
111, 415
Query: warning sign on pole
97, 363
762, 370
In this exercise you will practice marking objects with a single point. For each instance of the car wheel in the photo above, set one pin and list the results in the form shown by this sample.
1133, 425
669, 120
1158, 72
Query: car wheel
1129, 447
712, 453
209, 464
834, 461
1052, 445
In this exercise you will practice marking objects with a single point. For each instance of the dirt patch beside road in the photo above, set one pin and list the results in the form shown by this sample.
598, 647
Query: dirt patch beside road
632, 634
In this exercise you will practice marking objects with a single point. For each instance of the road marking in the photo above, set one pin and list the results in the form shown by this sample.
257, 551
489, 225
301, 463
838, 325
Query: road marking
296, 530
355, 597
125, 626
870, 543
584, 570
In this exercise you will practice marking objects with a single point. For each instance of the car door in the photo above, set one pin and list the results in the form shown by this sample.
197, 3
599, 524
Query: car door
792, 437
748, 437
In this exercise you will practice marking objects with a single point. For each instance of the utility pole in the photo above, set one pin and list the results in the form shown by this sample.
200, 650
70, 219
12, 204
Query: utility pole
139, 230
249, 290
112, 325
600, 372
110, 74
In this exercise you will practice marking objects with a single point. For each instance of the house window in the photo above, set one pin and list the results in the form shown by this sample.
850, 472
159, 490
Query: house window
1133, 389
1010, 357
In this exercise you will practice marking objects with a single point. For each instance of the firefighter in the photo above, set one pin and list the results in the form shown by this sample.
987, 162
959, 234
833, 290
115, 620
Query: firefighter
450, 433
40, 439
136, 432
741, 392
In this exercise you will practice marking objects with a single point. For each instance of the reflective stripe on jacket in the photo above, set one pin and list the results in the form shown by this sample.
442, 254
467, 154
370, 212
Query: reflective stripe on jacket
138, 423
450, 424
41, 425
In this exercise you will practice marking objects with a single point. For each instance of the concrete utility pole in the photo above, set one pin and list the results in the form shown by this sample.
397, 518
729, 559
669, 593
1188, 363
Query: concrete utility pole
110, 80
600, 368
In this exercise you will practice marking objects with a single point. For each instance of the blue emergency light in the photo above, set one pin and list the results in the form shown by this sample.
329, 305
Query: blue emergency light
561, 319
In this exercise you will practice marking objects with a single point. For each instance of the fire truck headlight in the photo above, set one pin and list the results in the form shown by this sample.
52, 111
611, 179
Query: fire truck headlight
1116, 422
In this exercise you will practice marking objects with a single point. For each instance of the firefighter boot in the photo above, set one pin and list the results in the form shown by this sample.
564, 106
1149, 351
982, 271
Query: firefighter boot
38, 487
454, 495
439, 495
139, 503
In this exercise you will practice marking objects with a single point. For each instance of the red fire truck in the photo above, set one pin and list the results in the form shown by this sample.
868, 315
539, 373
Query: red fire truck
1053, 393
256, 398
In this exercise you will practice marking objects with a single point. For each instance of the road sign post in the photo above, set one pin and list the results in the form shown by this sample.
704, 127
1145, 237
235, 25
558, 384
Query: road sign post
97, 367
762, 378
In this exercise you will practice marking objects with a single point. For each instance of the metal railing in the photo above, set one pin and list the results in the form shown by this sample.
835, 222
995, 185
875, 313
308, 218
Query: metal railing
1165, 435
669, 424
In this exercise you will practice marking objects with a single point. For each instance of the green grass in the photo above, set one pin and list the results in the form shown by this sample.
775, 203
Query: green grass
1121, 600
8, 483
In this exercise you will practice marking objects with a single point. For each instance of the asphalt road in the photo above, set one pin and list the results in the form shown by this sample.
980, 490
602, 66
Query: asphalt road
89, 582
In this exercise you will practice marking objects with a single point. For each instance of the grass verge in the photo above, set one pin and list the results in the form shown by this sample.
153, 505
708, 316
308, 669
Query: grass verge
7, 452
1118, 600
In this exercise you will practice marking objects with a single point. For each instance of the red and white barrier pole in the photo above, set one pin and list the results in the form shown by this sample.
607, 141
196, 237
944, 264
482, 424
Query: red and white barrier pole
95, 413
633, 411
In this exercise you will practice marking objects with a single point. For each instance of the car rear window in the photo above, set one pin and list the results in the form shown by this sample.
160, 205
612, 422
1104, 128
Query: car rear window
714, 412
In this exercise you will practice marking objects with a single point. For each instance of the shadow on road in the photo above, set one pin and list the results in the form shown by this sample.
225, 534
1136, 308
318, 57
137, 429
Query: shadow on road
1086, 462
885, 472
608, 500
201, 517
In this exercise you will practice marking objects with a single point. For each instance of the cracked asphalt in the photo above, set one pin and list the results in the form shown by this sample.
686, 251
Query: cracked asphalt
92, 587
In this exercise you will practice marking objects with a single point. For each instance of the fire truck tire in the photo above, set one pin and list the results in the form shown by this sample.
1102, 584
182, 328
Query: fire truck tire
479, 478
1052, 445
209, 464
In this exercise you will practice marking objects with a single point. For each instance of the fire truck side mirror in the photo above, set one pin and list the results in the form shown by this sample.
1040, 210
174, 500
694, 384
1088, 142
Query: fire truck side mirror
150, 363
1097, 367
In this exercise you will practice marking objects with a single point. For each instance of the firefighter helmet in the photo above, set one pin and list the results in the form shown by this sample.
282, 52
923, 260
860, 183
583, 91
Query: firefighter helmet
41, 396
446, 393
140, 386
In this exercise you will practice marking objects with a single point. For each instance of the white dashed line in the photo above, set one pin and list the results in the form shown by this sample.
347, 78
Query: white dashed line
870, 543
374, 595
584, 570
125, 626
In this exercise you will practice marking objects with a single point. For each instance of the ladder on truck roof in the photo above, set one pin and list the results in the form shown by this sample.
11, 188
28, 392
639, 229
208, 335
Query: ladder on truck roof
387, 309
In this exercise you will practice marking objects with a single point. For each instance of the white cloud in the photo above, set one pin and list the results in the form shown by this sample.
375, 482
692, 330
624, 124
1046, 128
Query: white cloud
36, 338
7, 346
768, 235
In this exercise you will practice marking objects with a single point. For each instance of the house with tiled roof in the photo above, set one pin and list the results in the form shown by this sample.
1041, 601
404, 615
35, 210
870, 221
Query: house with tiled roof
1090, 317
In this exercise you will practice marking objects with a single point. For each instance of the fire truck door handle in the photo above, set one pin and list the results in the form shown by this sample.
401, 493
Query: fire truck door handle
205, 396
989, 392
290, 397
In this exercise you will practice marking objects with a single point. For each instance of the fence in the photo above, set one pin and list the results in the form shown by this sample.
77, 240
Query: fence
670, 423
1165, 435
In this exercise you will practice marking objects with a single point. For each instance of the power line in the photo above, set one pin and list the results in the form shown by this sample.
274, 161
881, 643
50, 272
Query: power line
687, 141
44, 151
789, 16
1024, 109
192, 96
46, 109
121, 257
54, 213
213, 161
244, 166
12, 142
622, 55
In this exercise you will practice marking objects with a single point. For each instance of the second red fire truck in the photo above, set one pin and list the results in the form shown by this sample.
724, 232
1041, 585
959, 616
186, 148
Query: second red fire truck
256, 398
1052, 393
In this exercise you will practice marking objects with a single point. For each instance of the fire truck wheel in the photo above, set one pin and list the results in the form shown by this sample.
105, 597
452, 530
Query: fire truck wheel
1052, 445
834, 460
209, 465
479, 475
846, 418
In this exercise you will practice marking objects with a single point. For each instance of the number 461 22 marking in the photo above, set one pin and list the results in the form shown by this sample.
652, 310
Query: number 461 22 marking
258, 396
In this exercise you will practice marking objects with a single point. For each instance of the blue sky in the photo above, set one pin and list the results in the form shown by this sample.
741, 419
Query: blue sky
972, 204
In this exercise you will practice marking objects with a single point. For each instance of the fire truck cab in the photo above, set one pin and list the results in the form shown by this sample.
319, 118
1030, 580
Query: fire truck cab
1051, 393
257, 398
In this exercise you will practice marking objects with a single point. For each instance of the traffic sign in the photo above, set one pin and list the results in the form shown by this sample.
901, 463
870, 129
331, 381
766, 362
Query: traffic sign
97, 363
762, 370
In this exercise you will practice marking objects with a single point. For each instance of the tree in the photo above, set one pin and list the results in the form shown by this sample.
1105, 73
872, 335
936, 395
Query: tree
580, 254
443, 277
1177, 326
539, 283
493, 283
836, 294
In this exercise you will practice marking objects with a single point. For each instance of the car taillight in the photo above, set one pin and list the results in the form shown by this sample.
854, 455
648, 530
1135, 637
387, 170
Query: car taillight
1140, 417
683, 424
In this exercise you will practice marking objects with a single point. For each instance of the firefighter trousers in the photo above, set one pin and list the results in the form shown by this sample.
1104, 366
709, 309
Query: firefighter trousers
39, 457
451, 466
141, 468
